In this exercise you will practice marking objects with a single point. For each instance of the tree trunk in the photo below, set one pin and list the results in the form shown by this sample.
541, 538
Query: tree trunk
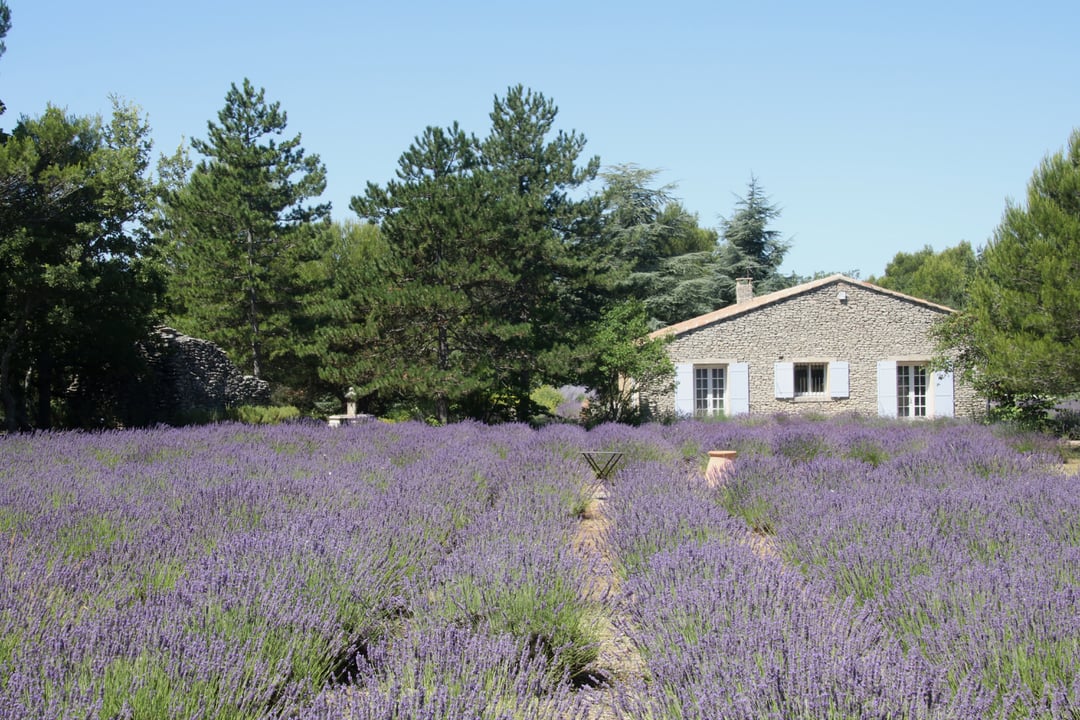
11, 408
442, 408
253, 306
10, 420
43, 413
524, 399
442, 402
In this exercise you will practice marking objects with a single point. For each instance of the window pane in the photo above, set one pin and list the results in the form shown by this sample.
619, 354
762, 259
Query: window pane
810, 379
802, 380
911, 390
718, 397
903, 391
701, 390
708, 390
919, 390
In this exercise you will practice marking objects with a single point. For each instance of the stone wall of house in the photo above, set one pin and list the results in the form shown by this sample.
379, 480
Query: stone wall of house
839, 321
193, 377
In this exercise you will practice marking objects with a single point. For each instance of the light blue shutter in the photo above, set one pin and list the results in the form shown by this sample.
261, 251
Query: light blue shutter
838, 379
943, 394
784, 380
738, 388
684, 389
886, 388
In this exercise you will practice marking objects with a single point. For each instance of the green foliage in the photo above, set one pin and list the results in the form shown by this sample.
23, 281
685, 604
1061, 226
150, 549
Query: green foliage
680, 287
1066, 424
623, 360
547, 397
476, 292
425, 333
533, 172
1024, 414
240, 234
350, 274
941, 277
1018, 341
654, 250
76, 287
259, 415
749, 248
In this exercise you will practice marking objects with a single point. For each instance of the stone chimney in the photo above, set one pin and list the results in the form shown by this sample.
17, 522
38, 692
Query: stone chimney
744, 290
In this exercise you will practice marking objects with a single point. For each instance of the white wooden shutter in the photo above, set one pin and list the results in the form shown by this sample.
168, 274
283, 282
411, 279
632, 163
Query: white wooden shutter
784, 380
886, 388
738, 388
684, 389
838, 379
943, 394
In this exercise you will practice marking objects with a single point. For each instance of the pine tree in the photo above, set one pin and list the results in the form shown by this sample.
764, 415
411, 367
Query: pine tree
664, 258
239, 229
1022, 327
479, 286
532, 173
427, 329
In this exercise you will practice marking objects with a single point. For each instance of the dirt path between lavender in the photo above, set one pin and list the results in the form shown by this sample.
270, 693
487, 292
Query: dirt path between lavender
618, 663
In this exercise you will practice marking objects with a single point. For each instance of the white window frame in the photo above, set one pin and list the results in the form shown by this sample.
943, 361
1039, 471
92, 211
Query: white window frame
913, 395
938, 392
804, 377
708, 402
735, 399
834, 380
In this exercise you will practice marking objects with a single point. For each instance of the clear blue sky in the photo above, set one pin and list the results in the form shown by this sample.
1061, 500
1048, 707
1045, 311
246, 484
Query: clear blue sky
876, 127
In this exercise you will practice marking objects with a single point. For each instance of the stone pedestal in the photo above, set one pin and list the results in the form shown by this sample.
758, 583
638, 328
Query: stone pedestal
350, 417
339, 420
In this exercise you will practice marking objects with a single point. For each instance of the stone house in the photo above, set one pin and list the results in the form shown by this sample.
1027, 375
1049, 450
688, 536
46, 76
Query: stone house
828, 346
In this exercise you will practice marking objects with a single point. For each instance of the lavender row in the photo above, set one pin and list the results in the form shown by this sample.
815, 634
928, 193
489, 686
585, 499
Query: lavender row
873, 570
845, 569
227, 572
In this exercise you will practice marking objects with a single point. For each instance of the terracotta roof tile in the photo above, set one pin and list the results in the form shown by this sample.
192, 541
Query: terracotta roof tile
735, 309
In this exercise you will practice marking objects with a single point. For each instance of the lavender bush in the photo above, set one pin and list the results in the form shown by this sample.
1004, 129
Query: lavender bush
849, 568
882, 570
230, 572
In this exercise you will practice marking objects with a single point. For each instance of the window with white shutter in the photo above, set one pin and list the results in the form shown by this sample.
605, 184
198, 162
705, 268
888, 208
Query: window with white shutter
712, 389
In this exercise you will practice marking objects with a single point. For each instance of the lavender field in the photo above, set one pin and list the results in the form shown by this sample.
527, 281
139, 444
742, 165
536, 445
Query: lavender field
843, 569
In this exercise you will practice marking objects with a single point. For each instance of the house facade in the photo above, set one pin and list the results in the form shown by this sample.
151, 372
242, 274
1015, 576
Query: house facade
829, 346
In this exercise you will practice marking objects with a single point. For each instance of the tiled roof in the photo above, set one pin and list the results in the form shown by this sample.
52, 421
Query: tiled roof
736, 309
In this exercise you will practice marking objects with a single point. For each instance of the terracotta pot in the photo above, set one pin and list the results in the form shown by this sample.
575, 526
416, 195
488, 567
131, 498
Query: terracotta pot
720, 463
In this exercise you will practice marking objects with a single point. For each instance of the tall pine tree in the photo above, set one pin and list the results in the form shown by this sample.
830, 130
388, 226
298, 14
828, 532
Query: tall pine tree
480, 285
667, 261
240, 228
428, 324
533, 174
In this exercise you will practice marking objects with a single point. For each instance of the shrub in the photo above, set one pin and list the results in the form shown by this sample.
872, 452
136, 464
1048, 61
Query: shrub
263, 415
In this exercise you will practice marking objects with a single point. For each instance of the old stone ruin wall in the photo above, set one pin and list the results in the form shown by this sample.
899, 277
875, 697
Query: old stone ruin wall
193, 379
